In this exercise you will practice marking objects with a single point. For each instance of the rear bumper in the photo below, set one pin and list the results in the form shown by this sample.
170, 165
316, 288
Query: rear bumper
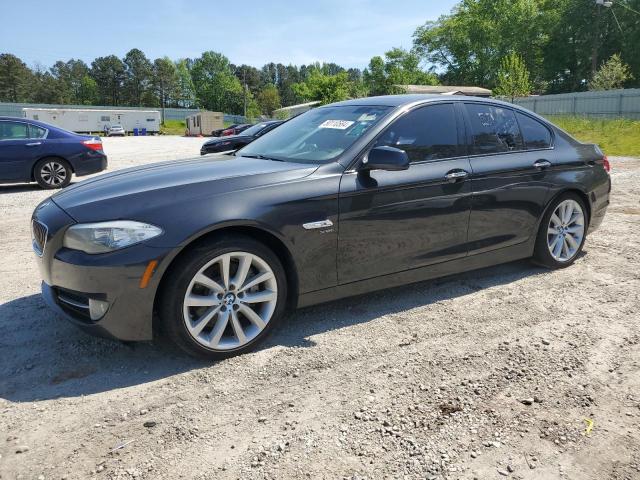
89, 165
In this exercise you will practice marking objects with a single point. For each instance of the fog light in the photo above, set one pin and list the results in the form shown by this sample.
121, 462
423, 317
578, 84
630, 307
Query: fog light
97, 309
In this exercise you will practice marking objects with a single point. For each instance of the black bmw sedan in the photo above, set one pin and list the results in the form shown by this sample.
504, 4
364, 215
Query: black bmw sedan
344, 199
36, 151
234, 142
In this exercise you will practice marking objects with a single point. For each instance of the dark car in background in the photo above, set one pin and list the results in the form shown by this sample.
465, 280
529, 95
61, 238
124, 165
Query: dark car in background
234, 142
218, 132
235, 129
348, 198
35, 151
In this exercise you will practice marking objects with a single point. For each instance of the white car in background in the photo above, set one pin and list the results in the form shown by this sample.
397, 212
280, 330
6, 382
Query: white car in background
117, 131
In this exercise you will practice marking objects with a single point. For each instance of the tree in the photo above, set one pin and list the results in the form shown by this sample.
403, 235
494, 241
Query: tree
513, 78
70, 74
324, 88
165, 80
470, 43
45, 88
88, 92
138, 70
215, 85
268, 100
15, 78
399, 67
109, 74
185, 91
611, 75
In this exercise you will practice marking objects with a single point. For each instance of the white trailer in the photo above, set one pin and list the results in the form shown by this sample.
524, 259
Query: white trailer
94, 120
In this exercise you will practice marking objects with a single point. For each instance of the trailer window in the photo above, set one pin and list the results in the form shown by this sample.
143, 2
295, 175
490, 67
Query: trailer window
151, 119
105, 118
83, 117
35, 117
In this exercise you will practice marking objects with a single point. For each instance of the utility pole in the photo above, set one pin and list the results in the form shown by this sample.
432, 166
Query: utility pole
596, 37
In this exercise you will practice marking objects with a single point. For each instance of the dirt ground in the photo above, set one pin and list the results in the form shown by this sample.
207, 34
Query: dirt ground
507, 372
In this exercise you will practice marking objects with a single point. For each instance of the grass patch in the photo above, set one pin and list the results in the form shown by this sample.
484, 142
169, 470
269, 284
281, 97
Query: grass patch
617, 137
173, 127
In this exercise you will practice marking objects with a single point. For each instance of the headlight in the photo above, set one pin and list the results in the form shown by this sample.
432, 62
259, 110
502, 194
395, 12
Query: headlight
108, 236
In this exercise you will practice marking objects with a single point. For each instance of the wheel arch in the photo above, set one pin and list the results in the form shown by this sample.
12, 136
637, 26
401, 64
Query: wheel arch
255, 232
570, 189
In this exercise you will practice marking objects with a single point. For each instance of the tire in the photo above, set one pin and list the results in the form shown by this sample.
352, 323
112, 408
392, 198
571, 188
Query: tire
560, 238
52, 172
217, 320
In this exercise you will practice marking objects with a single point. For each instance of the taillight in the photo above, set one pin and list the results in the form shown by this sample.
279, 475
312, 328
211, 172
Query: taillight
606, 164
93, 144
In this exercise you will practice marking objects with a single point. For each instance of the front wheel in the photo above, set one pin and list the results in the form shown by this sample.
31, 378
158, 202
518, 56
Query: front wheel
52, 173
224, 298
562, 232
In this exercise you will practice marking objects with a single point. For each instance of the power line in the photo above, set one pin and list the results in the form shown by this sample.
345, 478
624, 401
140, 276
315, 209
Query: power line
624, 5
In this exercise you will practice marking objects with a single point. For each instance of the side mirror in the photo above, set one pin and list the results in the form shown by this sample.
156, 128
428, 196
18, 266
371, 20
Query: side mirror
386, 158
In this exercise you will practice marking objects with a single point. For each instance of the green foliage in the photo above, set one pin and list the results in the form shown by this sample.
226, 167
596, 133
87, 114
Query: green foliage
513, 78
612, 74
185, 94
216, 87
560, 41
15, 78
323, 87
268, 99
137, 80
399, 67
109, 74
615, 136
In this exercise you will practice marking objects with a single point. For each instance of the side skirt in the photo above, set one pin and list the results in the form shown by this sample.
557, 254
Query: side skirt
473, 262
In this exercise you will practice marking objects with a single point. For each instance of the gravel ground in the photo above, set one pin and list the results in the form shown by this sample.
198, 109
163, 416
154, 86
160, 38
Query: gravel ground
511, 371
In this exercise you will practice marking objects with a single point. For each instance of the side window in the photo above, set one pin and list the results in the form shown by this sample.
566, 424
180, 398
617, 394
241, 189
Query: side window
428, 133
13, 131
36, 132
534, 133
493, 129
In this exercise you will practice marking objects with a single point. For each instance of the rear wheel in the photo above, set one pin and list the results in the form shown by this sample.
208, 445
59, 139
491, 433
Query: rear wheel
52, 173
223, 299
562, 232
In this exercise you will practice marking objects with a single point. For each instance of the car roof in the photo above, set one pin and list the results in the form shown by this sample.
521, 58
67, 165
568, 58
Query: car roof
48, 126
414, 99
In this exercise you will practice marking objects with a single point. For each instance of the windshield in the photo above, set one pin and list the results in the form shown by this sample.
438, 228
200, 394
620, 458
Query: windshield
317, 136
255, 129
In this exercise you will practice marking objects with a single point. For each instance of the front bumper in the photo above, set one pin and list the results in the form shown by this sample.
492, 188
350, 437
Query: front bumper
73, 279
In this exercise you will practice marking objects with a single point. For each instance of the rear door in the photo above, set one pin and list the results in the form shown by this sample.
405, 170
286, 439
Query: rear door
392, 221
18, 149
510, 179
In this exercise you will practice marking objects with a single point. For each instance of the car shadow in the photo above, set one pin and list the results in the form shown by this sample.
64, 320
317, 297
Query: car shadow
43, 357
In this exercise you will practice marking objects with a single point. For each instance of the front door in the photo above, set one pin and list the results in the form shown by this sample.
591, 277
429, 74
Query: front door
17, 150
396, 221
510, 176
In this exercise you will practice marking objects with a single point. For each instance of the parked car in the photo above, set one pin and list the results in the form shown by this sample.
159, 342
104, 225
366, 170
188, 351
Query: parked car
117, 131
235, 129
417, 187
35, 151
234, 142
218, 132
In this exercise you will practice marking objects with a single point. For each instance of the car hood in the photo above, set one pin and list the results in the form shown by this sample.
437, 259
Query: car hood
134, 190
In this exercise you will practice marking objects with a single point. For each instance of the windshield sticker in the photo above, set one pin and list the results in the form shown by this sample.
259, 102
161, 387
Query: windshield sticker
367, 117
339, 124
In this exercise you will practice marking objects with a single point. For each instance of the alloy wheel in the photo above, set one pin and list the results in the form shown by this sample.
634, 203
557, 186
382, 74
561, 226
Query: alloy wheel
566, 230
53, 173
230, 300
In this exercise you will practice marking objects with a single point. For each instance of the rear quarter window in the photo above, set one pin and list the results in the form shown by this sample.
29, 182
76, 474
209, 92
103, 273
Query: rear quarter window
534, 134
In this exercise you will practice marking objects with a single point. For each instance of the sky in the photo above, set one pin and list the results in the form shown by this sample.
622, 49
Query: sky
347, 32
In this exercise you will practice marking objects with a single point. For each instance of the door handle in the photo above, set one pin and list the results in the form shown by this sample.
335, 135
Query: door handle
33, 144
540, 164
456, 175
